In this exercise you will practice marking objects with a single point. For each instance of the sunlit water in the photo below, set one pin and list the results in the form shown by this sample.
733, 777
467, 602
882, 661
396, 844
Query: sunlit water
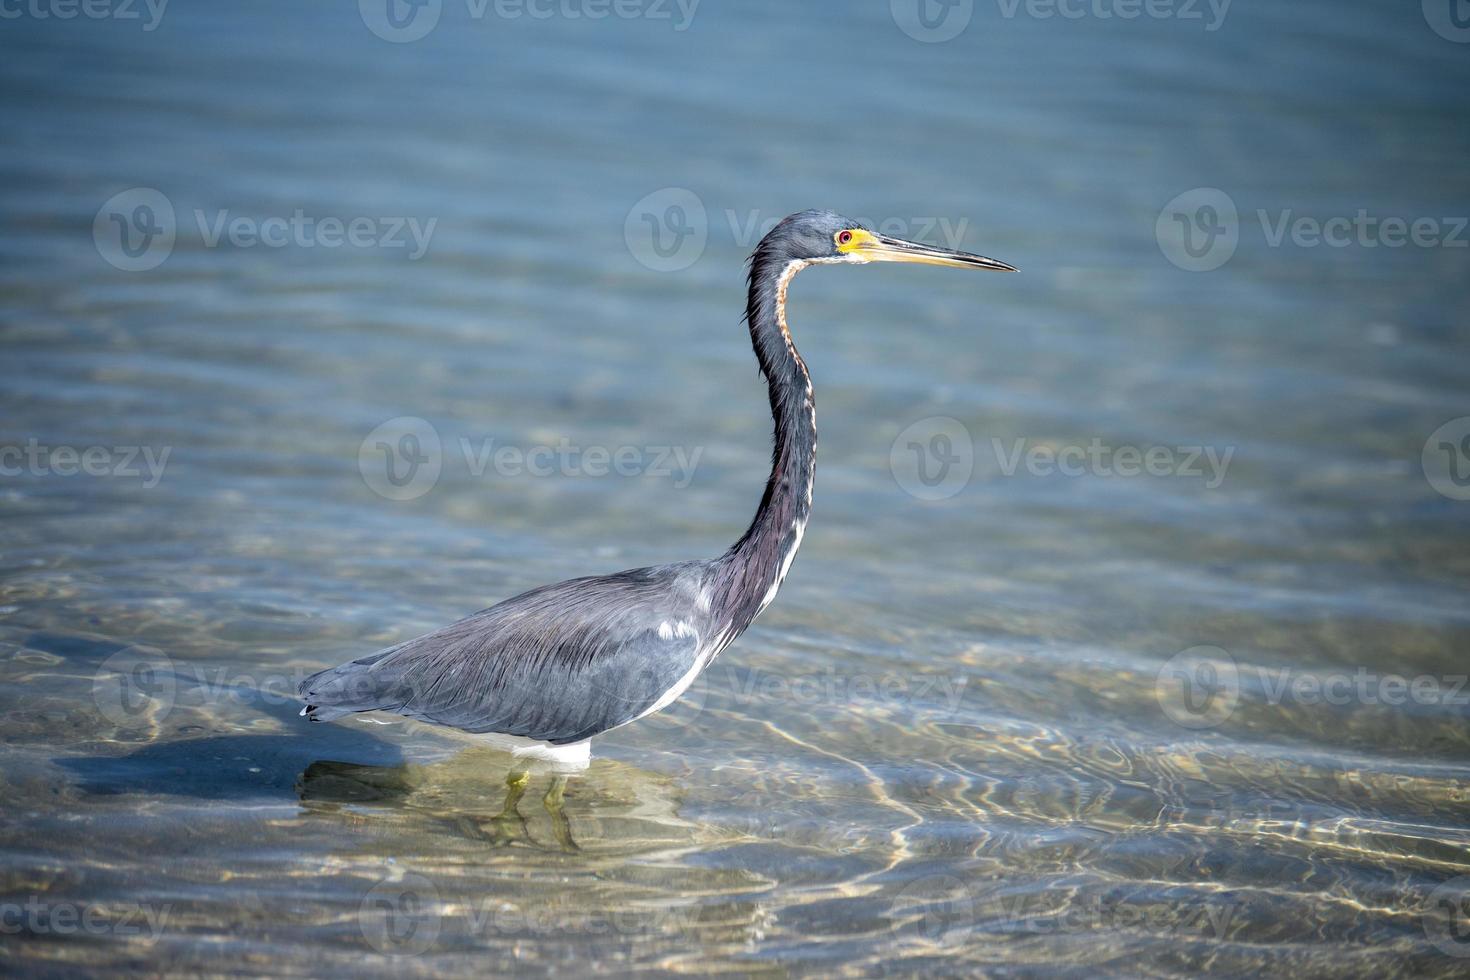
962, 739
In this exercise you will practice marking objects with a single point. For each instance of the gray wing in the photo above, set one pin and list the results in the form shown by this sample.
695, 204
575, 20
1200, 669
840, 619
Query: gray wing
559, 664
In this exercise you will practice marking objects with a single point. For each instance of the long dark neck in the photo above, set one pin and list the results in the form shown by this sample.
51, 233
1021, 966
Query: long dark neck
752, 569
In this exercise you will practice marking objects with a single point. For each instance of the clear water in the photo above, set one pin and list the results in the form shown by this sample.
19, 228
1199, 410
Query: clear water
960, 741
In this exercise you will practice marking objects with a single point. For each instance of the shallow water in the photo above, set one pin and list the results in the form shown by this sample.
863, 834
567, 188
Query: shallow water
1025, 721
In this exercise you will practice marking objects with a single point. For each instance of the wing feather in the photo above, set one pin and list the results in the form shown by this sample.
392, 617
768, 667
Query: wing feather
559, 664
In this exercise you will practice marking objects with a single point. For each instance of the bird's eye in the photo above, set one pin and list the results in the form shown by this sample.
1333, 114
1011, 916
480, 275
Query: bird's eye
844, 237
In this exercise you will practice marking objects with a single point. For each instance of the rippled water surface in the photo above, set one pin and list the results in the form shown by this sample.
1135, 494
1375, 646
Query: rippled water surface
1024, 715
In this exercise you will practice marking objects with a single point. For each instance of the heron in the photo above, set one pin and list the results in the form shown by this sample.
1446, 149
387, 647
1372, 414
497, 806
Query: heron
544, 672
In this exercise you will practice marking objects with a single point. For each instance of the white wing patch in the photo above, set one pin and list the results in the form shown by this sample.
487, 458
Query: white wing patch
679, 630
669, 631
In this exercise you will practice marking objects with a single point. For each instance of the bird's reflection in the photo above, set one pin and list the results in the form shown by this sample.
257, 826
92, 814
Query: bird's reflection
331, 782
467, 793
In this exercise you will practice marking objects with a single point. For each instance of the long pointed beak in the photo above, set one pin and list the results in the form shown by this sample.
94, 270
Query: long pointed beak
881, 248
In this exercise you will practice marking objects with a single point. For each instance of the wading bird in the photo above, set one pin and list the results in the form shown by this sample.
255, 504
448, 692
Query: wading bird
542, 673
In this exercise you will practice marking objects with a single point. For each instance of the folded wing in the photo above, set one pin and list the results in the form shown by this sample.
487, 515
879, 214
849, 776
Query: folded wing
560, 664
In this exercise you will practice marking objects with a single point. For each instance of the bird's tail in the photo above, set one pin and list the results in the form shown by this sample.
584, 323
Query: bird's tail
345, 690
315, 712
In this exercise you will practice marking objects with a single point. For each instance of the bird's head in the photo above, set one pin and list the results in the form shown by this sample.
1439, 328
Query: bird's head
826, 236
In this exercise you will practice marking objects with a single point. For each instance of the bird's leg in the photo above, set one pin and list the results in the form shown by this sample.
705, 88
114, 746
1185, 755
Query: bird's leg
555, 794
508, 821
515, 788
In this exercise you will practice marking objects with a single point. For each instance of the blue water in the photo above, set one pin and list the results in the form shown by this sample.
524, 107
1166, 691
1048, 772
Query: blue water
1015, 712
